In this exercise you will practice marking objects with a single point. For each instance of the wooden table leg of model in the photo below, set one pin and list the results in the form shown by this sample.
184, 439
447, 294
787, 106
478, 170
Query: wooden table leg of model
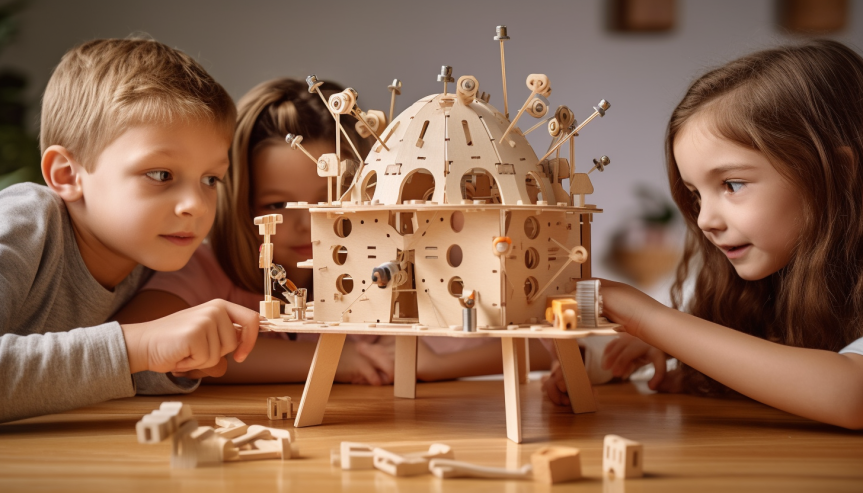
510, 389
577, 382
405, 378
522, 350
316, 393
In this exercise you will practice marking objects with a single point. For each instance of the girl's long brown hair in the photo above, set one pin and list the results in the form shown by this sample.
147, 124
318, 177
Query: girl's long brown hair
265, 115
802, 107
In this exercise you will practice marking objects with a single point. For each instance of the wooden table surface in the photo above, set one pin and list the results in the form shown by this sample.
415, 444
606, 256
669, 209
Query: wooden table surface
690, 443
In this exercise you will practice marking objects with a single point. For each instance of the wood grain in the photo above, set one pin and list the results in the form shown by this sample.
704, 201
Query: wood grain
690, 443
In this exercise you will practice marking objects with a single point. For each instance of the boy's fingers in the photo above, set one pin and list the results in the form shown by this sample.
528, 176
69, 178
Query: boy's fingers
249, 322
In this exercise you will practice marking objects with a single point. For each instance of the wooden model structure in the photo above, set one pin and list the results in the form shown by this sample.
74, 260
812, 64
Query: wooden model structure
453, 226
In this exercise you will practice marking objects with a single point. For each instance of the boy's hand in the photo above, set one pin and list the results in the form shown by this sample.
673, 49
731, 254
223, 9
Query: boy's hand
626, 354
197, 338
364, 363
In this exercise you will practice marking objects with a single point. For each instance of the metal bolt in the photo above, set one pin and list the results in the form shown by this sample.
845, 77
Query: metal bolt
396, 87
322, 164
445, 74
603, 106
294, 140
601, 163
467, 84
500, 32
313, 83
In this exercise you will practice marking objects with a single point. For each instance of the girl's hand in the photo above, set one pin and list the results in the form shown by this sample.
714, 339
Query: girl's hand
626, 354
627, 306
555, 386
364, 363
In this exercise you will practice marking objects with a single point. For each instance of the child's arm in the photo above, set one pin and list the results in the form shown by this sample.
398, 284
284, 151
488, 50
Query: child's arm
57, 371
815, 384
273, 360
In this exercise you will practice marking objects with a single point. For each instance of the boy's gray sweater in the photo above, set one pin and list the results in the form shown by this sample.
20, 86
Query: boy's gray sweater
56, 351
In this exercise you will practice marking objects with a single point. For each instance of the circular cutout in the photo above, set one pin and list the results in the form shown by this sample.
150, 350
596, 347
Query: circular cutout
342, 227
530, 287
457, 221
454, 256
340, 254
531, 227
369, 185
455, 286
345, 283
531, 258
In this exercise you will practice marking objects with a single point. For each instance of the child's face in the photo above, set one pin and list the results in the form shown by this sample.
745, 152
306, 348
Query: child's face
281, 174
748, 210
151, 197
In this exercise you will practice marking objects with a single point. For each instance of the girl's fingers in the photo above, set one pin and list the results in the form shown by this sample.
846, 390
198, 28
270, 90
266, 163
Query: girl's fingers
658, 359
611, 353
554, 395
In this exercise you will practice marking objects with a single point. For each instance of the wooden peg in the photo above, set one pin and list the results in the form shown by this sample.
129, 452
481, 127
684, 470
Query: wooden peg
501, 35
395, 90
538, 84
294, 141
315, 87
598, 110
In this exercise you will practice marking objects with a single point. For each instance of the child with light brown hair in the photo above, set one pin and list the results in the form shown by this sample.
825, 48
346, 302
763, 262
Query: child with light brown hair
764, 162
134, 137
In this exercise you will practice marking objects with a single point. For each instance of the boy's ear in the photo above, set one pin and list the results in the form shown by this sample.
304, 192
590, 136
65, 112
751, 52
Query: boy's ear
62, 173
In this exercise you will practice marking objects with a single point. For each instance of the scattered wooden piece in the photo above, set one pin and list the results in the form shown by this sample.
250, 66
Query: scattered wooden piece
446, 468
356, 456
254, 432
556, 464
399, 465
228, 422
622, 456
279, 407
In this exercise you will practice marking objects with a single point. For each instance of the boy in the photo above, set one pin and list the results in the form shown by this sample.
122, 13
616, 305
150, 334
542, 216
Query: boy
134, 138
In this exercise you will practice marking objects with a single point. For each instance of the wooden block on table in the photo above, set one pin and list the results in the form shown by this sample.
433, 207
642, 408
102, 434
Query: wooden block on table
399, 465
554, 464
228, 422
232, 432
279, 407
356, 456
622, 456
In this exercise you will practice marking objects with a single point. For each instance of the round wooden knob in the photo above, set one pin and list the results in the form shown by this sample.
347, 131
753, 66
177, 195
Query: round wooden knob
553, 127
342, 102
537, 108
538, 83
565, 117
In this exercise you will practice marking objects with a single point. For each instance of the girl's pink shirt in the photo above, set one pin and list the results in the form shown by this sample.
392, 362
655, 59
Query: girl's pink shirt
202, 280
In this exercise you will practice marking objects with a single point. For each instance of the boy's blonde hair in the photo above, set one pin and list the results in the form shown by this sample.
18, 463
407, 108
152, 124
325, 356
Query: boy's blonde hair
103, 87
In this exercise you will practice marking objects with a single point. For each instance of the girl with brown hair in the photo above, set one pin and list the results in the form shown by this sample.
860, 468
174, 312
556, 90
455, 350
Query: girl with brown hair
763, 158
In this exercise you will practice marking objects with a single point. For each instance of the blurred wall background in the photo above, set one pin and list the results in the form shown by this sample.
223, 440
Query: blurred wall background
367, 44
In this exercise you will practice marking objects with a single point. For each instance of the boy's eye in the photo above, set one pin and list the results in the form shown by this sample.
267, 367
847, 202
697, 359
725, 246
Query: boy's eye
210, 181
160, 176
733, 186
276, 205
